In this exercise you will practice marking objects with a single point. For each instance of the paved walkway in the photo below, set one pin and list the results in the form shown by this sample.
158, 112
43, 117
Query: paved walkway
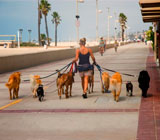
98, 117
149, 113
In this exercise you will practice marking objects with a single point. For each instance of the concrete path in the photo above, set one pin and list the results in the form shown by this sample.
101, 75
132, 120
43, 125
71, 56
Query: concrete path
96, 118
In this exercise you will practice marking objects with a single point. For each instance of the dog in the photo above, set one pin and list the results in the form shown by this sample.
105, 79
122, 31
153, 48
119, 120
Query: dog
91, 82
40, 92
105, 82
116, 85
13, 84
144, 80
129, 88
65, 79
35, 82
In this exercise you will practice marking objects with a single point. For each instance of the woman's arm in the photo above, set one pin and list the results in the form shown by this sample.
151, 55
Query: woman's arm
92, 56
77, 56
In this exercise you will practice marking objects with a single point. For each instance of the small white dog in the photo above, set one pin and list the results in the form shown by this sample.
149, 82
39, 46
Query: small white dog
35, 82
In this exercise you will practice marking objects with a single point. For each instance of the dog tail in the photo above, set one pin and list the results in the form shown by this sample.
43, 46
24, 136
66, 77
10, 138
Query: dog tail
7, 84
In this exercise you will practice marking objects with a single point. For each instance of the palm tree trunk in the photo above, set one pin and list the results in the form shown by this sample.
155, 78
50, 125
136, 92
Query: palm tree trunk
55, 34
47, 30
39, 22
122, 33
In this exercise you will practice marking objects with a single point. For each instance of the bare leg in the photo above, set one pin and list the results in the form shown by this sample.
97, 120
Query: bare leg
85, 84
82, 82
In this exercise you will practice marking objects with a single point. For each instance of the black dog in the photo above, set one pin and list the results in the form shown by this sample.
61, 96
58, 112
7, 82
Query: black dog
129, 88
143, 81
40, 92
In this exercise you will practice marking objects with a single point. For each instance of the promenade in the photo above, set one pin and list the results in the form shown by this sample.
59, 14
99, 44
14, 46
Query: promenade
99, 117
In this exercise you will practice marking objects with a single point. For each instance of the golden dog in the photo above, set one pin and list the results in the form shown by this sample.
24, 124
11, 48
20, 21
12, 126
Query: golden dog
116, 84
105, 80
65, 79
91, 82
13, 84
35, 82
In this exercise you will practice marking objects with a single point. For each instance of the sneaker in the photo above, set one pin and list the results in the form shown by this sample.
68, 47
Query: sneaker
84, 96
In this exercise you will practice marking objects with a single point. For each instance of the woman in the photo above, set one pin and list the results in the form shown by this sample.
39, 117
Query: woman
84, 67
101, 46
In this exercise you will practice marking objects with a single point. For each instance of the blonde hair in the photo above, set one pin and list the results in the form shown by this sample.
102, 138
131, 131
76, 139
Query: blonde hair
82, 41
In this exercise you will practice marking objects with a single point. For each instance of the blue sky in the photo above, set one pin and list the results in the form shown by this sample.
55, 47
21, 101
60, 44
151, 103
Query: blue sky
16, 14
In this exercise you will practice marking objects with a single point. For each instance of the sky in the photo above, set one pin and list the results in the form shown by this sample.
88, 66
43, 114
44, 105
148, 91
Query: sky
23, 14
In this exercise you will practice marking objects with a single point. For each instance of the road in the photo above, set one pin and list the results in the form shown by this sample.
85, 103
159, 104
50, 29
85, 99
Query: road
98, 118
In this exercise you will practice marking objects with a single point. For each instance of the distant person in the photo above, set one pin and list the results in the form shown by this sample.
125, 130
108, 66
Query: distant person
84, 67
101, 46
115, 45
5, 45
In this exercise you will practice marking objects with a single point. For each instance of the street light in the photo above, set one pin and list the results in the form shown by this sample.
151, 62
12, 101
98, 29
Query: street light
29, 31
21, 30
97, 13
115, 26
77, 19
108, 24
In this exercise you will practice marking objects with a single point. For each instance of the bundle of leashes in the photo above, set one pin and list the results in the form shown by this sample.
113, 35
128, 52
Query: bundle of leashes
65, 67
100, 69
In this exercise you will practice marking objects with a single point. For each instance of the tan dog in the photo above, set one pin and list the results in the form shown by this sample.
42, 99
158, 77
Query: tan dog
91, 82
115, 85
35, 82
13, 84
105, 80
65, 79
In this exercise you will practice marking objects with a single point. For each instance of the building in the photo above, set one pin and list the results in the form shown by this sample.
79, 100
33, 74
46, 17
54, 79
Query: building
150, 10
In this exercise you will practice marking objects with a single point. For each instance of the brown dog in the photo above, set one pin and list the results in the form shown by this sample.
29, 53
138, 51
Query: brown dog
116, 84
91, 82
13, 84
65, 79
105, 80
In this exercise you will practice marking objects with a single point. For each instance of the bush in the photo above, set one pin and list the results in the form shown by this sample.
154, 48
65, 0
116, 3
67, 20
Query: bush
28, 44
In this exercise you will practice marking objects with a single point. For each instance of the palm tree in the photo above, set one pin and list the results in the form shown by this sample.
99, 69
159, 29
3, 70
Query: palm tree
43, 39
122, 21
56, 20
39, 23
45, 7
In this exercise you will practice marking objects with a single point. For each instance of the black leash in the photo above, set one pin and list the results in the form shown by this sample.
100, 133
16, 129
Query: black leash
121, 73
67, 66
100, 71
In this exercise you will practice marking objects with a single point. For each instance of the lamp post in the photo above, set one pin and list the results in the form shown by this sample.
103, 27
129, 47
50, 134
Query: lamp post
29, 31
97, 19
108, 24
77, 19
115, 26
20, 31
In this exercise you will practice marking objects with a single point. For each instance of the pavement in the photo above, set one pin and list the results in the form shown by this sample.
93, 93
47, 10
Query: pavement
98, 117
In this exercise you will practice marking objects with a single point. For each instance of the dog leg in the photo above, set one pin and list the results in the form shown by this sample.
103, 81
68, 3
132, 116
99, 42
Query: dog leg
117, 95
17, 90
102, 88
66, 91
59, 92
114, 94
14, 93
92, 83
10, 94
71, 90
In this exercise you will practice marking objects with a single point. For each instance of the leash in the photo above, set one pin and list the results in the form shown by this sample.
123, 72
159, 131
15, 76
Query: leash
100, 71
126, 74
67, 66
